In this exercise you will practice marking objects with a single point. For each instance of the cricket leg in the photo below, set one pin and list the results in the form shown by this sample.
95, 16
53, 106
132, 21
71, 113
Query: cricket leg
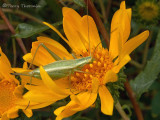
70, 86
73, 97
56, 57
27, 105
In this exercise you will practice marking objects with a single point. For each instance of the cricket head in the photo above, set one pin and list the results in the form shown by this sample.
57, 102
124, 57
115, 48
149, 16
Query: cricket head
89, 59
83, 61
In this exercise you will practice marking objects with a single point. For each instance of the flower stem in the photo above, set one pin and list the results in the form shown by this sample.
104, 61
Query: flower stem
20, 42
108, 8
121, 111
21, 13
145, 54
103, 10
136, 64
98, 21
14, 52
133, 100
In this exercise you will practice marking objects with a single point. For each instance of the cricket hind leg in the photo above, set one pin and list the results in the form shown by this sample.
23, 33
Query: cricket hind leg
70, 86
56, 57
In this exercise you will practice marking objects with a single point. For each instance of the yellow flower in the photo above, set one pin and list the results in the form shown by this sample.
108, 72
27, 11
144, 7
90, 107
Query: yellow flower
83, 87
148, 10
40, 93
10, 91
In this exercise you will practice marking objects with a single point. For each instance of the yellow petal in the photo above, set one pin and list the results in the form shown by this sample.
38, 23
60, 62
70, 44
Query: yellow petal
59, 110
71, 24
40, 105
18, 92
73, 36
28, 58
65, 114
41, 55
106, 100
20, 70
51, 84
75, 98
42, 94
23, 104
123, 5
33, 81
87, 99
54, 29
88, 25
133, 43
110, 76
4, 58
25, 66
83, 97
125, 22
63, 83
72, 16
37, 96
126, 25
122, 63
12, 113
28, 113
4, 117
66, 111
5, 68
115, 39
95, 85
55, 47
120, 29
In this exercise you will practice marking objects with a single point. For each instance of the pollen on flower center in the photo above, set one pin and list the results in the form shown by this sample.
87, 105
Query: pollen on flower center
7, 98
102, 63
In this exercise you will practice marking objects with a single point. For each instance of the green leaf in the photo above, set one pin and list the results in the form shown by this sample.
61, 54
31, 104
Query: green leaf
155, 106
26, 30
79, 2
145, 79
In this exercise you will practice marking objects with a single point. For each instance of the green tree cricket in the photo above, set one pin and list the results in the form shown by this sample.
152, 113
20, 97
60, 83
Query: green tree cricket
59, 68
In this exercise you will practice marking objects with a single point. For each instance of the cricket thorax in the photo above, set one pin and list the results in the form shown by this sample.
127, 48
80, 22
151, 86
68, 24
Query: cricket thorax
82, 81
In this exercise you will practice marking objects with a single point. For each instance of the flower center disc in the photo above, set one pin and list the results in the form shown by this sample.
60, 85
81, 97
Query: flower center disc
102, 63
7, 98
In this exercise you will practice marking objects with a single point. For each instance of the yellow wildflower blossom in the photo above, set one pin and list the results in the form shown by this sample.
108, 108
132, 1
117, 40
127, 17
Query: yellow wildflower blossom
10, 91
107, 63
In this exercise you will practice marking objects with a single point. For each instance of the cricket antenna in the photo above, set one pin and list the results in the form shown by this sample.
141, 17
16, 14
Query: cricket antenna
20, 74
88, 29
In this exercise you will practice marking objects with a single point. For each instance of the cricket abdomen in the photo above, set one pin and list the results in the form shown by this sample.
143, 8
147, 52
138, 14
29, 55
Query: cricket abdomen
62, 68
